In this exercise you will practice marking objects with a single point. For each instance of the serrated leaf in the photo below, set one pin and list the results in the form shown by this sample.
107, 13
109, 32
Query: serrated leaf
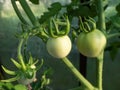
9, 71
11, 79
35, 1
16, 63
53, 10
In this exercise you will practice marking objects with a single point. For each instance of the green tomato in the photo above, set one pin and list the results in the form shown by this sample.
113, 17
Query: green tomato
59, 47
91, 44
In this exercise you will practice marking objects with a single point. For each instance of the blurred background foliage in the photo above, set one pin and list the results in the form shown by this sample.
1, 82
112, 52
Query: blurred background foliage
62, 79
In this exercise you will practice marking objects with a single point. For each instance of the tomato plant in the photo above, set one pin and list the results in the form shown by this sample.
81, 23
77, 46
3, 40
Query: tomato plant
59, 47
53, 28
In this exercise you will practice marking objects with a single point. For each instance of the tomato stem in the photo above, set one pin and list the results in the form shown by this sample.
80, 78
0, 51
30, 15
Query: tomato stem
102, 26
113, 35
100, 70
28, 11
101, 16
80, 77
18, 12
20, 55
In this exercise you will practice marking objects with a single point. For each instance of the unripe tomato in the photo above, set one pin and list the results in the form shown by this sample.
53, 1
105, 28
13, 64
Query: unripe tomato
92, 43
59, 47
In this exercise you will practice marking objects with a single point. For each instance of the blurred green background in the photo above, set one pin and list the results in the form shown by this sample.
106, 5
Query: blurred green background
62, 79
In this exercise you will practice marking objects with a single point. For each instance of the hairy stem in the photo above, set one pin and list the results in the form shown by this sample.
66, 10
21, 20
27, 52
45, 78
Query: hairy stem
80, 77
18, 12
102, 26
28, 11
100, 70
101, 16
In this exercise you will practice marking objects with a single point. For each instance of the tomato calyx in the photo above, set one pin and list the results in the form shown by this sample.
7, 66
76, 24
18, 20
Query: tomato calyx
87, 25
55, 24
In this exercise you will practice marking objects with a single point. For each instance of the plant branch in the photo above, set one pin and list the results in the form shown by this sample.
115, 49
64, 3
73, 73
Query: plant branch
101, 16
80, 77
113, 35
28, 11
102, 27
100, 70
18, 12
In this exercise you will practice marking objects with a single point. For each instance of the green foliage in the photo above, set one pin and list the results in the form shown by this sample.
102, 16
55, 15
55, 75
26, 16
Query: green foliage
20, 87
10, 86
113, 49
116, 21
74, 9
118, 8
35, 1
53, 10
44, 81
81, 10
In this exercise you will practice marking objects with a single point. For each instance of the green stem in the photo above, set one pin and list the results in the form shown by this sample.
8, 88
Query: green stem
102, 26
20, 55
28, 11
100, 70
18, 12
113, 35
101, 16
80, 77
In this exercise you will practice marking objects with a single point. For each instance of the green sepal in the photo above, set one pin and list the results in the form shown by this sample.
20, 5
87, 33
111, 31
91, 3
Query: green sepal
9, 71
36, 62
16, 63
51, 32
11, 79
68, 26
30, 60
38, 67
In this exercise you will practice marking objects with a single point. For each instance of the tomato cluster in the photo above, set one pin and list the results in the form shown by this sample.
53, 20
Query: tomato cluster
90, 42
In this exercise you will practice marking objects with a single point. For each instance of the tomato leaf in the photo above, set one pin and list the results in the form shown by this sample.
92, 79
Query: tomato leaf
20, 87
6, 86
54, 9
81, 10
118, 8
113, 53
116, 21
113, 49
35, 1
